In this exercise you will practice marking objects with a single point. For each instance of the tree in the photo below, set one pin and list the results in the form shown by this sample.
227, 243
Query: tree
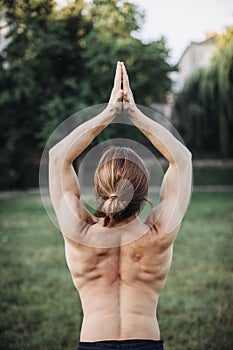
59, 61
205, 104
38, 88
18, 87
222, 68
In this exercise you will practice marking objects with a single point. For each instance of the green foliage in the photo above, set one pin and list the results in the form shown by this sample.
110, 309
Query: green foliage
213, 175
59, 61
118, 18
205, 104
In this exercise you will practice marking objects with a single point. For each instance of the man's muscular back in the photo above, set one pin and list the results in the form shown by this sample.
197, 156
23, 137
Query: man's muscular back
119, 287
119, 284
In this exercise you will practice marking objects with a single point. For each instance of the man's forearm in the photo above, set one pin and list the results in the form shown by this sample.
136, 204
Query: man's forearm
78, 140
162, 139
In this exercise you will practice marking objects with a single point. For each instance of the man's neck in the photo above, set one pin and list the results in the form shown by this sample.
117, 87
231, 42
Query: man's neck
118, 224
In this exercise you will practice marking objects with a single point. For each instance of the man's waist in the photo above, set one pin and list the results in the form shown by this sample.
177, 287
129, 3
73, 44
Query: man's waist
135, 344
127, 326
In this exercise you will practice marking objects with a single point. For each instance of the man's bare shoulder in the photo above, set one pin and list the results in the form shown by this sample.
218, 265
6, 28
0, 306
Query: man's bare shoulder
152, 243
134, 235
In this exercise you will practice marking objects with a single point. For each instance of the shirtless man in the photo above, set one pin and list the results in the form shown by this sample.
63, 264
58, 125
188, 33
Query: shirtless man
119, 282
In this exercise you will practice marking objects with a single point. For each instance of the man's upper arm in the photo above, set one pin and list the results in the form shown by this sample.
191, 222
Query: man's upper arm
174, 197
72, 216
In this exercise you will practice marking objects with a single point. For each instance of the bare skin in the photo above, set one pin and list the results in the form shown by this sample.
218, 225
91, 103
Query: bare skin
119, 287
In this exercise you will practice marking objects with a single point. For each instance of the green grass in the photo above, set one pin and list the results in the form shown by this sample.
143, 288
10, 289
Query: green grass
196, 307
40, 308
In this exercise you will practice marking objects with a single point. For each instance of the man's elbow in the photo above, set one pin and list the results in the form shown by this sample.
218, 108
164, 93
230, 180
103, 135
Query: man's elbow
187, 158
186, 164
189, 155
189, 152
184, 156
54, 155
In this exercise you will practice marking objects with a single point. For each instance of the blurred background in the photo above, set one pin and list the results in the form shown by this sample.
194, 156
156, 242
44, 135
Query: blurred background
58, 57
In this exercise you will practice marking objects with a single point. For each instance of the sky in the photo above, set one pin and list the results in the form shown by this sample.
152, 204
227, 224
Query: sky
182, 21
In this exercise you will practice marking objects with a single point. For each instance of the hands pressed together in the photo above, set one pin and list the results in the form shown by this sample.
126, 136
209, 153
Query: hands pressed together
121, 97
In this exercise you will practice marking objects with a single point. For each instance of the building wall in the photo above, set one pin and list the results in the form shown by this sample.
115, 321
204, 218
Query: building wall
196, 55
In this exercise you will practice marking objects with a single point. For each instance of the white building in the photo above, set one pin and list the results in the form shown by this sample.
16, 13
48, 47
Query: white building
196, 55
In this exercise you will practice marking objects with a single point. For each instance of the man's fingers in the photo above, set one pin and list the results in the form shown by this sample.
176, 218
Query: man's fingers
120, 96
117, 80
125, 78
126, 96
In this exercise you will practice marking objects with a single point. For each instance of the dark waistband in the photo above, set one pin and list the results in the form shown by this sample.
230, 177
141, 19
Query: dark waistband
134, 344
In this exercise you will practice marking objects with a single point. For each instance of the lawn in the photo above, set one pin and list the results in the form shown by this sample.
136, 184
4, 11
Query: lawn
41, 310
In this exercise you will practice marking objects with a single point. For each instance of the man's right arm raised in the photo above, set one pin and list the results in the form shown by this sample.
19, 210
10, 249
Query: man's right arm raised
177, 183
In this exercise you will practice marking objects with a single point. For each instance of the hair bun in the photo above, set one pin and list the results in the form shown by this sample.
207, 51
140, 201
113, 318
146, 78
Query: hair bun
121, 174
114, 196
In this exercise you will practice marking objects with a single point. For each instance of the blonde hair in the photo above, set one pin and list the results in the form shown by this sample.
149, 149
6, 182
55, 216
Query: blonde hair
121, 184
